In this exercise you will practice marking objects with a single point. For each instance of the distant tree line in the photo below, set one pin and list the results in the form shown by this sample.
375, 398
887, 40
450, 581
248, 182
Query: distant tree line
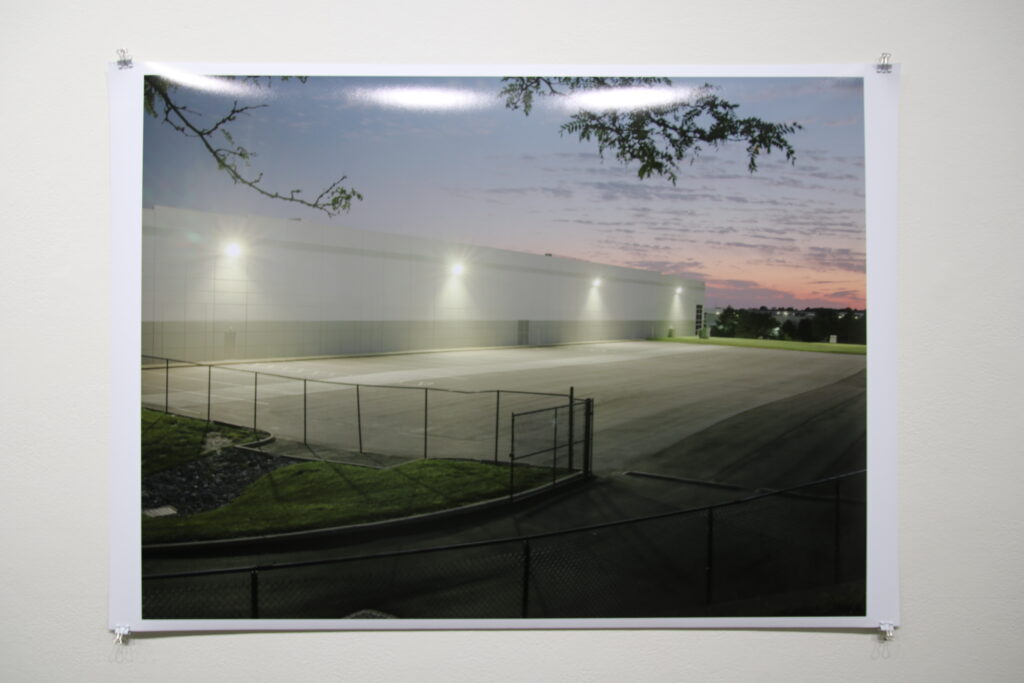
808, 325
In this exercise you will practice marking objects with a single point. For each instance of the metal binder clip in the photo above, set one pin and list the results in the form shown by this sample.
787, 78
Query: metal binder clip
884, 65
121, 634
124, 60
888, 630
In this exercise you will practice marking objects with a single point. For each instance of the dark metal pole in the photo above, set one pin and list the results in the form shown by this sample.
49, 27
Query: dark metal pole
254, 593
526, 579
209, 385
167, 384
512, 460
572, 431
709, 567
837, 559
588, 436
497, 421
426, 392
305, 439
255, 397
359, 420
554, 449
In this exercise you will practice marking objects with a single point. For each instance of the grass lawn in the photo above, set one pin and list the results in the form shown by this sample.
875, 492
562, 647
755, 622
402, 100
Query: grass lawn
822, 347
171, 440
319, 494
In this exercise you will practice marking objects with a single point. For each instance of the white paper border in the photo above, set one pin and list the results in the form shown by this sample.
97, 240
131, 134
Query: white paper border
881, 97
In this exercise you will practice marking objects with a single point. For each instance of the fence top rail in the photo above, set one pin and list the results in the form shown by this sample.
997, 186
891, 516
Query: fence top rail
163, 363
512, 539
577, 401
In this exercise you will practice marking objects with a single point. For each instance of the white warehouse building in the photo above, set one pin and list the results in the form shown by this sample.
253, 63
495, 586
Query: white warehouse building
218, 287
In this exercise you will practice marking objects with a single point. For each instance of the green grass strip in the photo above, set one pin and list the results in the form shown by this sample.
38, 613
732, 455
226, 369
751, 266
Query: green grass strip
820, 347
171, 440
320, 494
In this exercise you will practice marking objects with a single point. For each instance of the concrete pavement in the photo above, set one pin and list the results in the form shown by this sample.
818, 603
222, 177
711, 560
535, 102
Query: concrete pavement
752, 419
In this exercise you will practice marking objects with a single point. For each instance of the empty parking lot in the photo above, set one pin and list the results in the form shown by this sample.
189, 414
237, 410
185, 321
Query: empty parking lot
652, 401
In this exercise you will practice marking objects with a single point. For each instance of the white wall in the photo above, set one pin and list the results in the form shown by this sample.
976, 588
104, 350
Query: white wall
961, 468
306, 289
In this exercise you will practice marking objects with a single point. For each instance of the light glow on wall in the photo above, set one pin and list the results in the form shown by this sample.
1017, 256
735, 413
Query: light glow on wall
594, 305
676, 315
233, 249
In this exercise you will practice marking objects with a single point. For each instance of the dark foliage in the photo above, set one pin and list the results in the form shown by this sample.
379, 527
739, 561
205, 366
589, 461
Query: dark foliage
656, 137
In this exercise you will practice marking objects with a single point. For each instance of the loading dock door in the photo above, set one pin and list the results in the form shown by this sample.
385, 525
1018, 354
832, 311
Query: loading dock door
523, 333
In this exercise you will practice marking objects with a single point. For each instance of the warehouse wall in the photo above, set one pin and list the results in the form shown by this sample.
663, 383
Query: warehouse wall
301, 289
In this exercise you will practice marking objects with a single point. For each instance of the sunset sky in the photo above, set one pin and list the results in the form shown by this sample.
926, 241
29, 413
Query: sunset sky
475, 172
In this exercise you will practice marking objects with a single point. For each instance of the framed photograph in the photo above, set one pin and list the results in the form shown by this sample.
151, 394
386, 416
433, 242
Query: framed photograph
459, 347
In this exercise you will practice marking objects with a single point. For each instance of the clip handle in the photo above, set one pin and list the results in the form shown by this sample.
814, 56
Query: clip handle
124, 60
121, 634
884, 63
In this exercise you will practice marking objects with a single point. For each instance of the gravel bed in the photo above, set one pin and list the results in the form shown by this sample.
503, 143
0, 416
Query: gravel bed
209, 482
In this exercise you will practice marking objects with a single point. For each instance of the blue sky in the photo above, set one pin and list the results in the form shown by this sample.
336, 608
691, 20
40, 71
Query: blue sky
478, 173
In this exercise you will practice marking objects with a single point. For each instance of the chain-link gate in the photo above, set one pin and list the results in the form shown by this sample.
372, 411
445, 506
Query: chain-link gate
559, 437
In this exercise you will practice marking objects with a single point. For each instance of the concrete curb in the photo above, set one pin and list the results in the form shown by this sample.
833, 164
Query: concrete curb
573, 480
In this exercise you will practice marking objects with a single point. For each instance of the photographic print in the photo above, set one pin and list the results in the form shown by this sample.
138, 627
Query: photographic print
499, 349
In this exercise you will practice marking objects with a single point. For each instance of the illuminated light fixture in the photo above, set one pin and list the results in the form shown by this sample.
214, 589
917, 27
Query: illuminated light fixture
431, 99
679, 290
233, 249
457, 269
626, 99
596, 282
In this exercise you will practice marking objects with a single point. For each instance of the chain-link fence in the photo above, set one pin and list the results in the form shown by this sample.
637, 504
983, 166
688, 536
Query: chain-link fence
555, 437
403, 421
799, 552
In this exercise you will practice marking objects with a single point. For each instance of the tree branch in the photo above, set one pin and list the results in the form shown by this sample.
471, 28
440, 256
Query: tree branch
660, 136
334, 199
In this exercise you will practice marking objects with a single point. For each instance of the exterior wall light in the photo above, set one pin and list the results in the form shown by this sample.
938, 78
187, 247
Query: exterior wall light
679, 290
233, 249
596, 282
457, 269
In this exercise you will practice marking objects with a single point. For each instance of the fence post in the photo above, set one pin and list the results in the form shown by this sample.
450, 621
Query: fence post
512, 460
305, 438
254, 593
426, 392
167, 385
588, 438
209, 388
497, 422
359, 419
709, 566
554, 449
837, 559
526, 578
255, 398
572, 430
